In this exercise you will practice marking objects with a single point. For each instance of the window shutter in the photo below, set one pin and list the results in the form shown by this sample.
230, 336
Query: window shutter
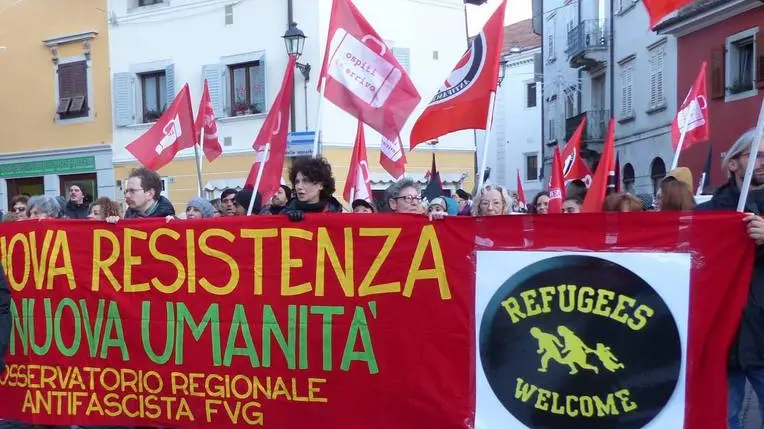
760, 59
169, 76
124, 99
216, 82
258, 86
403, 55
718, 89
660, 96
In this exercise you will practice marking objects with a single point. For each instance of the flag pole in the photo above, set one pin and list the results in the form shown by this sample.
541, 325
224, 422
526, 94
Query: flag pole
753, 152
319, 117
488, 126
675, 162
198, 159
701, 185
263, 160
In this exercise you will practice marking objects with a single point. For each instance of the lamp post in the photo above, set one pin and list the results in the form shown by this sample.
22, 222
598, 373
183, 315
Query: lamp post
502, 69
294, 41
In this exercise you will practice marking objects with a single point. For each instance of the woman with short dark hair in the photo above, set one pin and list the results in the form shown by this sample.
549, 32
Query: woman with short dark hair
313, 185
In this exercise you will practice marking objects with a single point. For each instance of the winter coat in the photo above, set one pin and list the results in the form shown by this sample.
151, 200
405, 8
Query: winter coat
5, 318
162, 208
747, 350
328, 206
72, 210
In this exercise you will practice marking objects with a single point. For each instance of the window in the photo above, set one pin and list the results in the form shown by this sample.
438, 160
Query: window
571, 96
142, 3
154, 95
627, 85
552, 129
531, 97
403, 55
229, 14
628, 178
551, 23
531, 167
247, 88
657, 95
73, 90
737, 68
657, 173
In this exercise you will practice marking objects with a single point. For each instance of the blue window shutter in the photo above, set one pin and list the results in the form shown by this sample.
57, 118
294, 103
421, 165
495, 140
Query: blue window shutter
124, 99
216, 81
169, 76
258, 90
403, 56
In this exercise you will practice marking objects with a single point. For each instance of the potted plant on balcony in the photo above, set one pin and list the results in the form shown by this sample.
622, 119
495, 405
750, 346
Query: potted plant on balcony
152, 115
740, 86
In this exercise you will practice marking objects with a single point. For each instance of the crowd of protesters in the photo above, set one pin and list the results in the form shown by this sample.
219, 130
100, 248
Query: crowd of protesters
313, 186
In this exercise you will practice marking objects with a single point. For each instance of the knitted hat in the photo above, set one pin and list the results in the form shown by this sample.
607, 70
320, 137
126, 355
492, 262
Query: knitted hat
243, 197
360, 202
439, 201
203, 206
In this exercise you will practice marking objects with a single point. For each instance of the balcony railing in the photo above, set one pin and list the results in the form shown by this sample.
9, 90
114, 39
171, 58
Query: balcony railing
591, 35
596, 125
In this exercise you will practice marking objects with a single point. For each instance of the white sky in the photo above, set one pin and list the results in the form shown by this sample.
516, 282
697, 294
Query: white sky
517, 10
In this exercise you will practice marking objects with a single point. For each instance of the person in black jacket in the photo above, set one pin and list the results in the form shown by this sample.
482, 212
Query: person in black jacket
78, 205
313, 185
746, 355
5, 318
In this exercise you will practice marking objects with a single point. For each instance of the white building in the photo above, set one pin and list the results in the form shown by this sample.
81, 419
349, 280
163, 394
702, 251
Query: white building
516, 136
645, 93
158, 45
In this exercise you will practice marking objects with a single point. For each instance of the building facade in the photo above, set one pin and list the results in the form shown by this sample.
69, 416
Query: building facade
237, 46
645, 105
58, 130
577, 55
729, 36
516, 136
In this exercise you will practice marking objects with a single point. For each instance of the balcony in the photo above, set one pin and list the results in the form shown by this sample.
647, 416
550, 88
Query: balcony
588, 44
596, 125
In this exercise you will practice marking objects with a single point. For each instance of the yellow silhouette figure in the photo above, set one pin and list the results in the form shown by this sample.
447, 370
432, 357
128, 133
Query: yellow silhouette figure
549, 348
577, 351
608, 359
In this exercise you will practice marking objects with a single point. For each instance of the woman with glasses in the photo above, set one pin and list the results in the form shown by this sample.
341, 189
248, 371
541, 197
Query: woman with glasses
492, 201
18, 206
403, 197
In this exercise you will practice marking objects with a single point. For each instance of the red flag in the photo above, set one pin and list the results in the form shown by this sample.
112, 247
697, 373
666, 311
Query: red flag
274, 131
363, 77
692, 116
172, 132
659, 9
358, 185
574, 166
556, 189
520, 192
392, 157
205, 119
462, 102
595, 198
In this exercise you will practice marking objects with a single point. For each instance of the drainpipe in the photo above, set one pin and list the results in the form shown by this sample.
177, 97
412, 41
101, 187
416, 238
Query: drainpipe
612, 60
290, 19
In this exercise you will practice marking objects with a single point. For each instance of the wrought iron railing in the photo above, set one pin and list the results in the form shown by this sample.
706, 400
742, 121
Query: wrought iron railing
590, 35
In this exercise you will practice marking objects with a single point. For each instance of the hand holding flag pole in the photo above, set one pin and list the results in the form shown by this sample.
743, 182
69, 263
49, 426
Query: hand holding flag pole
753, 153
263, 161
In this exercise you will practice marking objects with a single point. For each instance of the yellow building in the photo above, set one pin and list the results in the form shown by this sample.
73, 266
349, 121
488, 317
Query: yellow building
55, 87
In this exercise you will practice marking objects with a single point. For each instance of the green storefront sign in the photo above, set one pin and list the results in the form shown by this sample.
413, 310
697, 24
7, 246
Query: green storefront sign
82, 164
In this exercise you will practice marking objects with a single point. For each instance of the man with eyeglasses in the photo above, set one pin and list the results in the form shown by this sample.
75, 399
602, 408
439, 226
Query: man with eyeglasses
746, 355
143, 194
403, 197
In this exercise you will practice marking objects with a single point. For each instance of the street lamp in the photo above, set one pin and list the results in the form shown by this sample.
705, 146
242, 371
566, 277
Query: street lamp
502, 69
294, 40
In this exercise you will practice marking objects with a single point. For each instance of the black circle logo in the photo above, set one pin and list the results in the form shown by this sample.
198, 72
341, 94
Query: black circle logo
580, 342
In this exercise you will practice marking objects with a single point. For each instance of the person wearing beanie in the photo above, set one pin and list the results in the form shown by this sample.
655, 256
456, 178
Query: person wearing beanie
199, 208
242, 202
683, 175
278, 201
437, 204
363, 206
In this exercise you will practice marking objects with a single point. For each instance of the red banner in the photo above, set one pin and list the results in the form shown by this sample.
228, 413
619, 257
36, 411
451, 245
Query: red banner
375, 321
240, 324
